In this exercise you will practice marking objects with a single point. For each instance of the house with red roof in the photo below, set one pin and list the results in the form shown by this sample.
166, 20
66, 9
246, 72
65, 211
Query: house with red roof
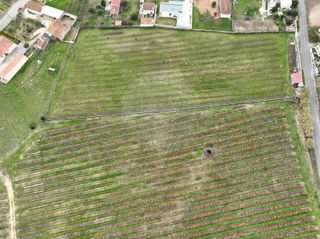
6, 48
113, 7
296, 80
11, 59
225, 8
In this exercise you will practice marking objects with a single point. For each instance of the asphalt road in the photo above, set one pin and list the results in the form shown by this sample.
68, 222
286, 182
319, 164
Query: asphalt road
309, 77
11, 13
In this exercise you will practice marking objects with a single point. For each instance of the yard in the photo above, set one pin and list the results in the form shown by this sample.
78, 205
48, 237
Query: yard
151, 70
25, 99
206, 21
246, 9
60, 4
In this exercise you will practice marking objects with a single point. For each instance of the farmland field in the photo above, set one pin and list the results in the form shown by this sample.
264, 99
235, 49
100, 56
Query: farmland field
151, 70
4, 213
146, 177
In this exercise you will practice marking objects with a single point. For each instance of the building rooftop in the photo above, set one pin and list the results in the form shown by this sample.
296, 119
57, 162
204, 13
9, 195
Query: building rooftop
148, 6
52, 12
175, 7
11, 67
5, 46
296, 78
34, 5
225, 7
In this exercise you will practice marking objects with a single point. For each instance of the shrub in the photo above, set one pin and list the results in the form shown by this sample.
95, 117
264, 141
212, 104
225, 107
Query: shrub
33, 125
214, 4
103, 3
124, 6
134, 17
314, 35
92, 10
43, 118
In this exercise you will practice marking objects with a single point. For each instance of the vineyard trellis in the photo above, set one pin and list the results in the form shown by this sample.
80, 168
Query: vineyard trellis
144, 177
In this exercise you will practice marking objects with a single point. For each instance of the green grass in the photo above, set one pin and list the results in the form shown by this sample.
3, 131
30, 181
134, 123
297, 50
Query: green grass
246, 9
60, 4
145, 177
25, 98
166, 21
152, 70
207, 22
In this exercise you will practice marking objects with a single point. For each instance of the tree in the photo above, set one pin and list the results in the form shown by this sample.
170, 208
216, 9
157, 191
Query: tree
103, 3
214, 4
134, 17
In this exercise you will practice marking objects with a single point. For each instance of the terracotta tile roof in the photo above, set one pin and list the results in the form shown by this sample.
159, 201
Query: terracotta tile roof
34, 5
115, 7
296, 78
148, 6
11, 67
57, 30
225, 6
5, 45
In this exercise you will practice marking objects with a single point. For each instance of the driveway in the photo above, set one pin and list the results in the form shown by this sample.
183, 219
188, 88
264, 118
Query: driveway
11, 13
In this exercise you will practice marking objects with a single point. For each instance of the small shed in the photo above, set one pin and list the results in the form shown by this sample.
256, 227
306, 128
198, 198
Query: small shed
296, 80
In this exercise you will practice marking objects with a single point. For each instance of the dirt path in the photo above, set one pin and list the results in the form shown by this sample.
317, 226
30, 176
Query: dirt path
12, 211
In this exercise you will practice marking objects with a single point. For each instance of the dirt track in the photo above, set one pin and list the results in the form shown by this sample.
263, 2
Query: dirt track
12, 211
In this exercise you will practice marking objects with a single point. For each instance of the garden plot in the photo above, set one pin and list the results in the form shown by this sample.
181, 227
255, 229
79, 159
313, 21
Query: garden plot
4, 5
141, 70
147, 177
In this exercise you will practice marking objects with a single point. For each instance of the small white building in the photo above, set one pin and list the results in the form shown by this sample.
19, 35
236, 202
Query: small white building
179, 10
267, 6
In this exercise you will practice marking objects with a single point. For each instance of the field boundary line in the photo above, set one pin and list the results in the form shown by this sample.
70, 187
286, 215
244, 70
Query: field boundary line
12, 209
172, 28
169, 109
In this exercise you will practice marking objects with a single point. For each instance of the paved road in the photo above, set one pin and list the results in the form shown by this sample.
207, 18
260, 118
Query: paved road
309, 77
11, 13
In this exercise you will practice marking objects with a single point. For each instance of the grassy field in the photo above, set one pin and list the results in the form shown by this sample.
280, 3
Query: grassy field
60, 4
206, 22
25, 99
4, 211
146, 177
151, 70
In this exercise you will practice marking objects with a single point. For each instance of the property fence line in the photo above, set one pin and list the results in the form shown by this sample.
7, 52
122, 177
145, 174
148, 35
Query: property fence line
160, 26
195, 108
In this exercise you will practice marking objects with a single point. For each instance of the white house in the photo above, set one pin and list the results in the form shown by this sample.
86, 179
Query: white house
179, 10
267, 6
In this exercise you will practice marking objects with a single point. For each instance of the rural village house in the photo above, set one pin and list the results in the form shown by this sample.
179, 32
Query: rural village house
179, 10
147, 13
113, 8
12, 59
57, 22
225, 8
267, 6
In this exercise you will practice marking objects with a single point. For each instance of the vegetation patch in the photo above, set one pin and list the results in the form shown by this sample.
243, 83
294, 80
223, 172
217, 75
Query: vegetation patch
145, 176
246, 9
26, 98
206, 21
60, 4
143, 70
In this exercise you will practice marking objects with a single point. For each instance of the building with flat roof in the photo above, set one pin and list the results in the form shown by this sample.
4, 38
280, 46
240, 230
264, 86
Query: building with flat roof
179, 10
